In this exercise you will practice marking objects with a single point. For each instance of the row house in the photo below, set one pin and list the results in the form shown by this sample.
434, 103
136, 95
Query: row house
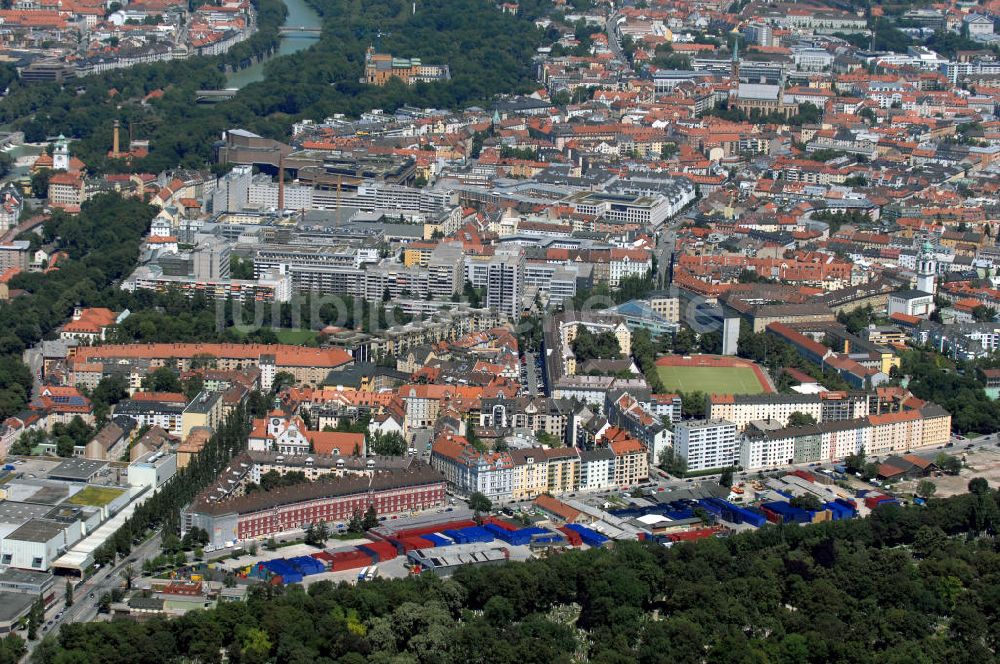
874, 435
470, 470
526, 473
553, 416
626, 412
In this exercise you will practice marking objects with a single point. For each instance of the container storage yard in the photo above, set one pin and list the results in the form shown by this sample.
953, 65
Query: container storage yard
439, 543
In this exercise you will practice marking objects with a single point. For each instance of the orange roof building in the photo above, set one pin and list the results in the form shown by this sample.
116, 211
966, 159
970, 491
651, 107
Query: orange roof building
307, 365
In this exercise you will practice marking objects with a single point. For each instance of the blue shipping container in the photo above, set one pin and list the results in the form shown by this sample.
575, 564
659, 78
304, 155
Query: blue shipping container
437, 540
589, 537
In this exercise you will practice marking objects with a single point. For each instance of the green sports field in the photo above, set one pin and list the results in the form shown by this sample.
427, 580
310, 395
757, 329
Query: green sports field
718, 380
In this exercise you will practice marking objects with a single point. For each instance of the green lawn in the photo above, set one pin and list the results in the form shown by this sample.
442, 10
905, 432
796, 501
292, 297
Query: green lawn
294, 336
718, 380
95, 496
288, 335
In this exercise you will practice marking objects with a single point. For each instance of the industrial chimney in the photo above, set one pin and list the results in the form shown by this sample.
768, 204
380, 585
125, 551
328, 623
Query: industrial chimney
281, 183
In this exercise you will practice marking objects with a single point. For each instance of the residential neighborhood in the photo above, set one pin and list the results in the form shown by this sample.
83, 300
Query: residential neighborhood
405, 331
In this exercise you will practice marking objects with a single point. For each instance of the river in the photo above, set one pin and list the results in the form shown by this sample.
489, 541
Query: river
299, 14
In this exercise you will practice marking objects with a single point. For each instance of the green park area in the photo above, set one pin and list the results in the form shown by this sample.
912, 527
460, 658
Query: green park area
95, 496
286, 335
717, 380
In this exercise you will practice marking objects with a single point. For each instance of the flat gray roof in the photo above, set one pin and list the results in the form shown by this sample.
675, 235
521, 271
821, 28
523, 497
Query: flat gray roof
37, 530
14, 605
12, 575
16, 512
204, 402
79, 470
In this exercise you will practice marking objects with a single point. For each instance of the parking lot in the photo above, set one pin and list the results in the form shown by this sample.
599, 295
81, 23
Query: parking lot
979, 462
32, 467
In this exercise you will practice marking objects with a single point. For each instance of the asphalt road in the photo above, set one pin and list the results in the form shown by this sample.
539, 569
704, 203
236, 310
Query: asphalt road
105, 580
665, 247
613, 43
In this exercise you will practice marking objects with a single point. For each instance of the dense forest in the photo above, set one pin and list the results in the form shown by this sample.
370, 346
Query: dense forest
489, 52
905, 586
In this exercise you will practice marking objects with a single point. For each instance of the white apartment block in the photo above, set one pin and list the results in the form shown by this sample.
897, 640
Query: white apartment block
265, 195
706, 444
372, 197
624, 208
741, 409
468, 470
596, 468
628, 263
505, 282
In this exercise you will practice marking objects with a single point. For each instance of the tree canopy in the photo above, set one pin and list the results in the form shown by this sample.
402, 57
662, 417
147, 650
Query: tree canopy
488, 52
589, 346
102, 244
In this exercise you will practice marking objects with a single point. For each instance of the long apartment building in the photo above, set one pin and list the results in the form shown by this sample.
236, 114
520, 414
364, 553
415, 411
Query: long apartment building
268, 287
307, 365
856, 374
446, 324
741, 409
330, 499
359, 273
526, 473
630, 205
875, 435
371, 196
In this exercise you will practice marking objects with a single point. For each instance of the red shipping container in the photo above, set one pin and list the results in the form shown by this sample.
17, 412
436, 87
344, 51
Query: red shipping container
410, 543
771, 516
324, 557
871, 502
509, 527
572, 536
693, 535
350, 554
351, 560
809, 477
385, 550
427, 530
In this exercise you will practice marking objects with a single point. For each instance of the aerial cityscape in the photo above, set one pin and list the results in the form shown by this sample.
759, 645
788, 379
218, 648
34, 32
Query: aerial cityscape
533, 331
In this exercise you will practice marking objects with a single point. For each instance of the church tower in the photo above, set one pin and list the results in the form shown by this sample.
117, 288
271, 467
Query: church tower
734, 71
927, 269
60, 155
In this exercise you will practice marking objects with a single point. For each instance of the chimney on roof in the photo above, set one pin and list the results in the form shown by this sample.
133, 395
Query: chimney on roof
281, 183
